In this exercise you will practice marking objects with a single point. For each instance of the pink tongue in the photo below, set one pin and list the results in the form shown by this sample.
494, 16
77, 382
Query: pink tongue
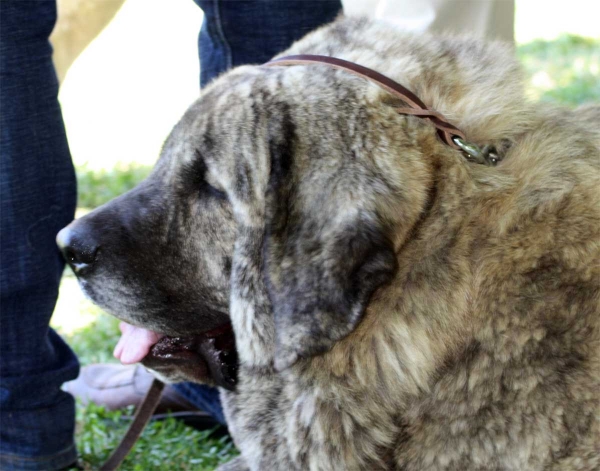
135, 343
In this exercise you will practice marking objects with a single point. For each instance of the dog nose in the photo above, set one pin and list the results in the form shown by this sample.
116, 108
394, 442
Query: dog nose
78, 248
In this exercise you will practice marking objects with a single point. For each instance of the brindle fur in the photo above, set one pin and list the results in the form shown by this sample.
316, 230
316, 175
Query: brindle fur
394, 306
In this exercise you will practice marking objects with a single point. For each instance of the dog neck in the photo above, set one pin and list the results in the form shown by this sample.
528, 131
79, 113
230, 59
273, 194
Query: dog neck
416, 312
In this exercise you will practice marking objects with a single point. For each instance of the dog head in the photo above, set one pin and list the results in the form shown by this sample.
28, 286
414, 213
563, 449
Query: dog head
278, 185
256, 159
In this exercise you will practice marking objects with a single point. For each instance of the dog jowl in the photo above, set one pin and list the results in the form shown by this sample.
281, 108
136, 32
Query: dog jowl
158, 257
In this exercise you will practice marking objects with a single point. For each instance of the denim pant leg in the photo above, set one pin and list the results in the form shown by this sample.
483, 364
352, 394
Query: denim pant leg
237, 32
37, 198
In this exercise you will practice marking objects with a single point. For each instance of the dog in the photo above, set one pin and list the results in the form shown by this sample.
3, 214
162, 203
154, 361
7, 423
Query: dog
395, 306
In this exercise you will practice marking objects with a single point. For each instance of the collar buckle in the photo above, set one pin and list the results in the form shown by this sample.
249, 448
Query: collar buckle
486, 155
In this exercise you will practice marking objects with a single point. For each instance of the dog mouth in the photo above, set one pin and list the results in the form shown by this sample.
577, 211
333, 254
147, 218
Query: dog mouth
212, 353
135, 343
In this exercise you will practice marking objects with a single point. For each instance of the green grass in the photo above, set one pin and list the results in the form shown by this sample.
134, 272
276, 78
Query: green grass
565, 71
97, 187
164, 445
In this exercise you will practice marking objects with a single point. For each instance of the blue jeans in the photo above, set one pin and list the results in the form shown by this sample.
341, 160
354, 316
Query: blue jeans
38, 196
237, 32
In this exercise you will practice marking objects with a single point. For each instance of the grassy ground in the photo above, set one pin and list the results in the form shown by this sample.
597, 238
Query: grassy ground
164, 445
566, 71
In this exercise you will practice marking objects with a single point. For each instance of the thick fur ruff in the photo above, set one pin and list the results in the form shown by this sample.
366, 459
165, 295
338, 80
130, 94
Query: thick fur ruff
395, 306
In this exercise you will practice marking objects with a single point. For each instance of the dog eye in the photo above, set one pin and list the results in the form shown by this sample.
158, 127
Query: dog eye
196, 173
206, 189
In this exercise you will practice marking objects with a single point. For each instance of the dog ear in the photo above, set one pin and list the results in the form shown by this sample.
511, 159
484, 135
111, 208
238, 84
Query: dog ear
326, 249
321, 271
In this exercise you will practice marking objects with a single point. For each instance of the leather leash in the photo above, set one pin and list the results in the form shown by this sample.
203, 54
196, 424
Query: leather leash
142, 416
448, 133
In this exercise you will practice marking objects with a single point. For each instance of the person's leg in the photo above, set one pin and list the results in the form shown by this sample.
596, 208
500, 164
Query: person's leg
238, 32
37, 198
